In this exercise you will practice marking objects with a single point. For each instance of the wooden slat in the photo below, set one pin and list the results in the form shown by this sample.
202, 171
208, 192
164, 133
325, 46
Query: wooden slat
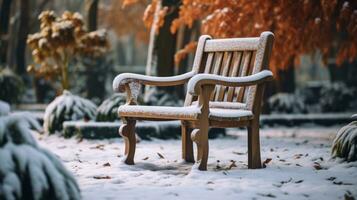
233, 73
228, 60
232, 44
217, 69
209, 63
244, 72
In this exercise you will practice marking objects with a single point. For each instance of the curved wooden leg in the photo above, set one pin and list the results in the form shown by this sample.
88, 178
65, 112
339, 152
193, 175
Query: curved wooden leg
187, 145
200, 137
127, 131
254, 160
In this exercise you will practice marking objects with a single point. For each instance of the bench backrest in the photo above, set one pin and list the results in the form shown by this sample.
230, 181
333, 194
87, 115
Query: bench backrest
232, 57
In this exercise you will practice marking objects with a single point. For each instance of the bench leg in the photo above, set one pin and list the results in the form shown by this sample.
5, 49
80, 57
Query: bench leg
127, 131
200, 137
254, 160
187, 145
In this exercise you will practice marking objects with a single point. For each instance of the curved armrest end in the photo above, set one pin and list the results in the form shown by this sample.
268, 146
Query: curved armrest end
120, 80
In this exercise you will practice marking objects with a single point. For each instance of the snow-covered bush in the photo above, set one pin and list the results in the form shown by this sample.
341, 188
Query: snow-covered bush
4, 108
286, 103
67, 107
345, 144
108, 110
26, 170
11, 86
336, 97
158, 97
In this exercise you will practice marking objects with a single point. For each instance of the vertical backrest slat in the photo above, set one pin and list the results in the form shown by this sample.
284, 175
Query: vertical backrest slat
245, 70
217, 69
227, 65
233, 73
209, 63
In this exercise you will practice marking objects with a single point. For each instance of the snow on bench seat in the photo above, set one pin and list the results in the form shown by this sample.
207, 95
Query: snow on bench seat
181, 113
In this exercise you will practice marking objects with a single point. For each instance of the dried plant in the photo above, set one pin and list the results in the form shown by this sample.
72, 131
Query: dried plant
59, 40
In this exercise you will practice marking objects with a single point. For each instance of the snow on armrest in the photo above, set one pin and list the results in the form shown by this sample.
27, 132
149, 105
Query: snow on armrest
196, 81
122, 79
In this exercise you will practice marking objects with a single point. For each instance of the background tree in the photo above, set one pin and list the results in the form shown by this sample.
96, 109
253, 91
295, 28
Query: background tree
59, 41
301, 27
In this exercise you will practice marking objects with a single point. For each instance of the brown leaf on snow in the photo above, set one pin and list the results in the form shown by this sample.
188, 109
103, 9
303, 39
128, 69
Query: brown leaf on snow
160, 155
299, 181
266, 162
102, 177
106, 164
298, 156
267, 195
145, 158
233, 164
99, 146
331, 178
317, 166
238, 153
341, 183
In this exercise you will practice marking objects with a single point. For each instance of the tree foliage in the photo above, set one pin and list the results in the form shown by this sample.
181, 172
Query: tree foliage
300, 27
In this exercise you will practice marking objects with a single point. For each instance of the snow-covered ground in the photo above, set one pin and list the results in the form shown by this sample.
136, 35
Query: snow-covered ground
300, 168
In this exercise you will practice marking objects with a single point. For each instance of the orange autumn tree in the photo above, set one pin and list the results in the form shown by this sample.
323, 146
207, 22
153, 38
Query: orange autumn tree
300, 26
124, 17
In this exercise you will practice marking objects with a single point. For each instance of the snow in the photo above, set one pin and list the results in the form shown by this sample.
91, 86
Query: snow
194, 82
123, 78
188, 111
26, 170
4, 108
67, 107
296, 153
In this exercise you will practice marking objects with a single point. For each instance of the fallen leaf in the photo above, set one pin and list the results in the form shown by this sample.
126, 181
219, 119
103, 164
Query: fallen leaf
99, 146
238, 153
145, 158
266, 162
297, 156
331, 178
160, 155
317, 166
299, 181
106, 164
287, 181
341, 183
102, 177
233, 164
267, 195
210, 182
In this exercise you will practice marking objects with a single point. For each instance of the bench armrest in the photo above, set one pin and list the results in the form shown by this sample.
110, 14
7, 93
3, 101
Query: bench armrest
195, 83
124, 78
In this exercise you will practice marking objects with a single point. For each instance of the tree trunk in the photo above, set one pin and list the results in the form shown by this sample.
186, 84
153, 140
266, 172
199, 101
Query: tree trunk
285, 81
4, 28
95, 72
22, 37
166, 43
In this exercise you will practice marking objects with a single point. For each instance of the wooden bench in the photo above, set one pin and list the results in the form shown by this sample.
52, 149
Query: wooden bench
225, 89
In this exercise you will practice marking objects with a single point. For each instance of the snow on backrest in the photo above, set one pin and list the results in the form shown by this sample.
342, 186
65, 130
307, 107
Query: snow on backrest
232, 57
